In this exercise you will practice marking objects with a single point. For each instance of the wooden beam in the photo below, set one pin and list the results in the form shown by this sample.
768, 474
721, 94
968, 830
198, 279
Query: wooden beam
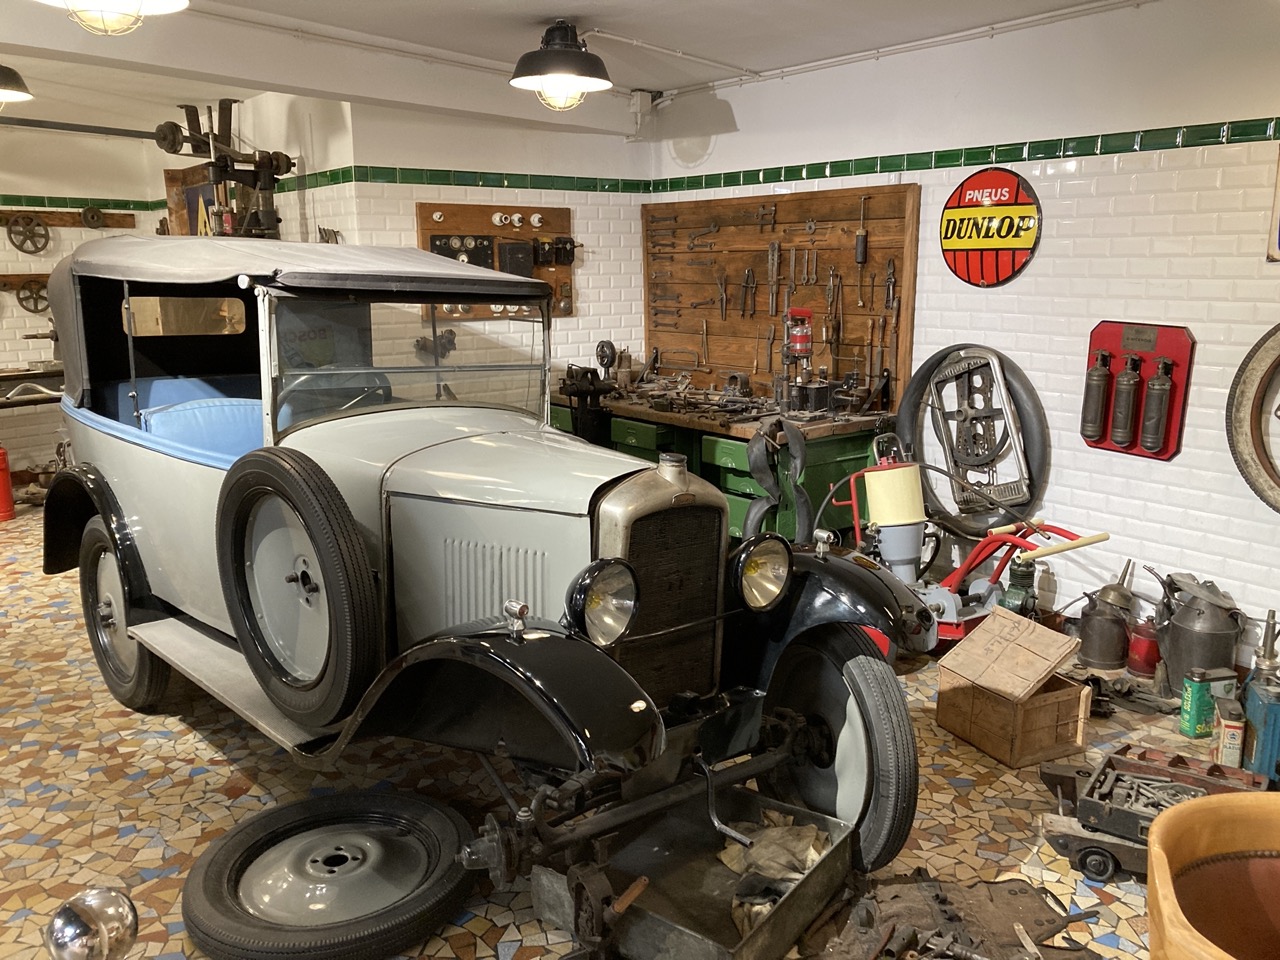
71, 218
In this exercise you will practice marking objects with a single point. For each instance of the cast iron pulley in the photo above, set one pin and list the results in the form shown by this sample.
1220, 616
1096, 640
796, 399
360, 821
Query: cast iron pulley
606, 354
93, 218
170, 138
28, 233
33, 296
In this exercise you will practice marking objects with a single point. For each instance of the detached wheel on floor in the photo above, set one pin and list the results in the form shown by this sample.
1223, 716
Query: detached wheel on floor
299, 591
1097, 864
863, 768
135, 676
355, 876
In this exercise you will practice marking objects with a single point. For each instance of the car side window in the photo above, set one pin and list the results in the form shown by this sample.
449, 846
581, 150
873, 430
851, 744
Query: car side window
183, 316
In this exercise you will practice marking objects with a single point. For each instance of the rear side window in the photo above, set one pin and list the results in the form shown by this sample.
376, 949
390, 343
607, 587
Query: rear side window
184, 316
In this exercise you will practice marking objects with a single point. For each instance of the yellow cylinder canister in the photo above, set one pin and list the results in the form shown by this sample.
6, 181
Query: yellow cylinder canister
894, 495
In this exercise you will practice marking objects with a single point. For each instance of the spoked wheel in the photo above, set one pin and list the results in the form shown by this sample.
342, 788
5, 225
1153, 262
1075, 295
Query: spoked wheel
1253, 418
298, 586
356, 876
863, 767
135, 676
971, 434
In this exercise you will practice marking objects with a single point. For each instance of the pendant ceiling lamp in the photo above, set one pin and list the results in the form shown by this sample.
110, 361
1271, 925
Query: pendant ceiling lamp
112, 18
561, 71
12, 87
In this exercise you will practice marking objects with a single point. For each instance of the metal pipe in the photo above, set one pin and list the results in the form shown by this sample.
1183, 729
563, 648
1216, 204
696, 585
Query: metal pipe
680, 54
598, 824
912, 46
78, 128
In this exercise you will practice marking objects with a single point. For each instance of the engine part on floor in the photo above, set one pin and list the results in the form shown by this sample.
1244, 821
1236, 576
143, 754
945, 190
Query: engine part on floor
1199, 625
952, 921
1097, 384
1104, 624
95, 924
1120, 797
1253, 418
990, 432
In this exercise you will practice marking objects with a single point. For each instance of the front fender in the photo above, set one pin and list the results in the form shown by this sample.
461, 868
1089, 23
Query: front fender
847, 587
551, 698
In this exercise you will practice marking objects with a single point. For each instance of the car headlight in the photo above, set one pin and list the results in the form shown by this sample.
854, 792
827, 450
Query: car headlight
601, 601
762, 571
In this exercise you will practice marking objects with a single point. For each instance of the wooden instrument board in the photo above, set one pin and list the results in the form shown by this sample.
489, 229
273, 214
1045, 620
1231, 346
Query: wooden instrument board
691, 247
469, 230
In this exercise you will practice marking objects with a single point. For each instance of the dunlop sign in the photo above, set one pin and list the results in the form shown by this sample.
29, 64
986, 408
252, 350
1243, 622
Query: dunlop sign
990, 227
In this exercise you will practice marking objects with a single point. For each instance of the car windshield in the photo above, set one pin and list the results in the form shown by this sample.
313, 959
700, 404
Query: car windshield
340, 357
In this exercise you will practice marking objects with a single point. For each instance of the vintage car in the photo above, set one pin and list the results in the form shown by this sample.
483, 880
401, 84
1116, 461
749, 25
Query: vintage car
320, 481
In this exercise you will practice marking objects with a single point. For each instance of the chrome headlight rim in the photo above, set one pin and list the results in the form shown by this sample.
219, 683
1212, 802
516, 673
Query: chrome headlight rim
580, 592
738, 569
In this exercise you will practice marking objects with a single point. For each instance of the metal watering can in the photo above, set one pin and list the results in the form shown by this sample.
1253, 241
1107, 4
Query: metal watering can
1197, 626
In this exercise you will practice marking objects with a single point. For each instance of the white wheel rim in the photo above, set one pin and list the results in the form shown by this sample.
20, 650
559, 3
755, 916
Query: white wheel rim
112, 624
814, 687
286, 590
334, 874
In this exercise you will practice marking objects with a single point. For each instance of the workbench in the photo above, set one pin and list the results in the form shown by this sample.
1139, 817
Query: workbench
716, 450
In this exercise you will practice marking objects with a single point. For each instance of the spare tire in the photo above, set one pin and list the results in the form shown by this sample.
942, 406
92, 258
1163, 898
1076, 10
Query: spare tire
913, 415
298, 585
352, 876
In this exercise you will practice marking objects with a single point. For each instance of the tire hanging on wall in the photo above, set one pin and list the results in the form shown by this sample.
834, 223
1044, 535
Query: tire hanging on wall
352, 876
298, 586
1251, 408
913, 414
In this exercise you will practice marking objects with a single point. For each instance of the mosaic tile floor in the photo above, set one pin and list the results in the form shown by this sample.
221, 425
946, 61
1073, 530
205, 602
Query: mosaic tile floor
94, 794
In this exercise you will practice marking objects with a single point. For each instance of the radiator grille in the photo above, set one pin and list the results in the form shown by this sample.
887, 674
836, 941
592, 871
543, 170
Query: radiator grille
479, 577
676, 555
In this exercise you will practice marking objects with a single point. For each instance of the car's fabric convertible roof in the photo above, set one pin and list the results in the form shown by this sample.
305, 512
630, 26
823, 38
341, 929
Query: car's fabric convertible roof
284, 263
279, 264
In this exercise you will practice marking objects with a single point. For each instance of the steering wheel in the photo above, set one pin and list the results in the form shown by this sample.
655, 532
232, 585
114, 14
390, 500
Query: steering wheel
358, 380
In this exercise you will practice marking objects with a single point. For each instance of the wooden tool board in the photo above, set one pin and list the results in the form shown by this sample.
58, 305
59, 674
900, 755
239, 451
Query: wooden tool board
690, 246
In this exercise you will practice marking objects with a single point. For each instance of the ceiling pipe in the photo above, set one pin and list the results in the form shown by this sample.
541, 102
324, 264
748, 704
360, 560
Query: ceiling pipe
746, 77
680, 54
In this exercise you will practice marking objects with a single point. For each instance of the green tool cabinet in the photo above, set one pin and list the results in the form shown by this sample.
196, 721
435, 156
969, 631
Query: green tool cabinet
723, 461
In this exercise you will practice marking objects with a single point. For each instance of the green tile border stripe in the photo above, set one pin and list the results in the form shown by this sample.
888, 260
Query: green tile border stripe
1092, 145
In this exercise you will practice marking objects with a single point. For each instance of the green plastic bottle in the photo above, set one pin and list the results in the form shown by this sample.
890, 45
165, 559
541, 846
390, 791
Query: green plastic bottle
1196, 717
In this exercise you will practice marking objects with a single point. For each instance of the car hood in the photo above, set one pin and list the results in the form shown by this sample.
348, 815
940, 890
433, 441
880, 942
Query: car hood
467, 454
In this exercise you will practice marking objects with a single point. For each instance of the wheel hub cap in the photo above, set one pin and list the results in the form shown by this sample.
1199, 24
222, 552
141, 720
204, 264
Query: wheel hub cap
334, 874
119, 647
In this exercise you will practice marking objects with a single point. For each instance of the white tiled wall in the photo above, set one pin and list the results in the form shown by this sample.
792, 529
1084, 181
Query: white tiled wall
607, 274
29, 433
1175, 237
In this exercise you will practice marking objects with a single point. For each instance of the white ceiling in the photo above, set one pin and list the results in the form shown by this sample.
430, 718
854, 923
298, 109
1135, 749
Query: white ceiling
494, 33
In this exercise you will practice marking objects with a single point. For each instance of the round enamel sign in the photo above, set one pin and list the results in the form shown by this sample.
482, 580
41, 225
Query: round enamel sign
990, 227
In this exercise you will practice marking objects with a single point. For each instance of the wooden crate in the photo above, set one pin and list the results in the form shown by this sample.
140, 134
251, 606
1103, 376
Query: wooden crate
998, 691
